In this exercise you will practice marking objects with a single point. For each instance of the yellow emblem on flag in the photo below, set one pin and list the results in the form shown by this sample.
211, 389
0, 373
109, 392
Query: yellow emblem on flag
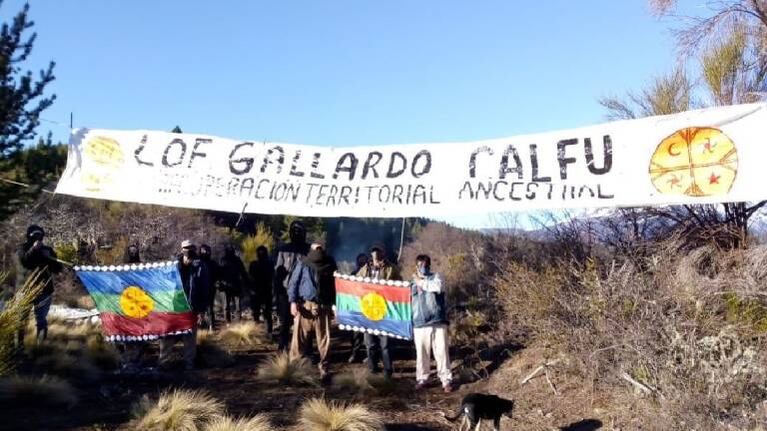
696, 161
135, 302
373, 306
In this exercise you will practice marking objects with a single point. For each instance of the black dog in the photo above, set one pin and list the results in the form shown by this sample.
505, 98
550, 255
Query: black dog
475, 407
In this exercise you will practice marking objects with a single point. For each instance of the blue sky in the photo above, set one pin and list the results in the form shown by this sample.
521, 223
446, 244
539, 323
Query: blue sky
344, 72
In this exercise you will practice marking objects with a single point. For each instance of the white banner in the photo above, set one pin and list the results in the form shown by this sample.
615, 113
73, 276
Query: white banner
705, 156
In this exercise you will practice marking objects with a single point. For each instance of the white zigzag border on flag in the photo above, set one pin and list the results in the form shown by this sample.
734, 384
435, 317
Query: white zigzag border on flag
395, 283
120, 338
126, 267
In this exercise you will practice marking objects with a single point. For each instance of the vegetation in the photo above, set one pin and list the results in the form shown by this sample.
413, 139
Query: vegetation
256, 423
179, 410
22, 98
244, 334
320, 415
13, 318
279, 369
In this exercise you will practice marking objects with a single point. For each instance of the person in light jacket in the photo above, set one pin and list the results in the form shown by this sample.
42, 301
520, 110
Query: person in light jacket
430, 324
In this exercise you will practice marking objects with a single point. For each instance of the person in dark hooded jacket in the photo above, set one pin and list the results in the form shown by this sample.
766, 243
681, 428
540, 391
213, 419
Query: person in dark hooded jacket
35, 255
261, 274
206, 255
132, 254
312, 294
232, 279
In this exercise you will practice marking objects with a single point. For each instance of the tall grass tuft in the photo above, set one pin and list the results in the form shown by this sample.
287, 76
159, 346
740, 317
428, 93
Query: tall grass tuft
257, 423
179, 410
278, 368
244, 334
13, 319
320, 415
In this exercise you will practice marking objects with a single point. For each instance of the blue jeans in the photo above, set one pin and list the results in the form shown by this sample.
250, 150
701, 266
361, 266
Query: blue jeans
377, 346
41, 310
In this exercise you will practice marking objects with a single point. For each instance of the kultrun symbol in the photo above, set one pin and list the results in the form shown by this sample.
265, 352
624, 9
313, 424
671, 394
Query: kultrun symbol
373, 306
102, 156
135, 302
696, 161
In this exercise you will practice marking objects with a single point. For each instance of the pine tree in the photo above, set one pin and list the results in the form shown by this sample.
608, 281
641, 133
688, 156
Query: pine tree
21, 95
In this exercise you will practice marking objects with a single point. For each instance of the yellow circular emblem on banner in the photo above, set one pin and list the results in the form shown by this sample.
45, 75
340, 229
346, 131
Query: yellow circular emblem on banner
373, 306
135, 302
102, 156
696, 161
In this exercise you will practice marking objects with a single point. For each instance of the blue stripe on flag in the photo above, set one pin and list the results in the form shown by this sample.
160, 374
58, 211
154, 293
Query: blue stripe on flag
152, 280
403, 328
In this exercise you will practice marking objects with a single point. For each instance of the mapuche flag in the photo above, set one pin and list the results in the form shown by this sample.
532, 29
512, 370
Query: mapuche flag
138, 301
380, 307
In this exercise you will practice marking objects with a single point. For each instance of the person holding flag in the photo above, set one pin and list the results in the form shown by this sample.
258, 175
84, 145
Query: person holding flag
35, 255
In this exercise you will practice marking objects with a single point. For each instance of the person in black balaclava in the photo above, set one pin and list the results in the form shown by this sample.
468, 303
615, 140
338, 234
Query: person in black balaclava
288, 256
34, 255
213, 270
232, 278
132, 254
261, 274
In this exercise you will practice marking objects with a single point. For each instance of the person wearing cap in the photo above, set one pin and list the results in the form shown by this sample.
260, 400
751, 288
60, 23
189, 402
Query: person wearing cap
288, 257
430, 324
35, 255
195, 279
312, 294
379, 268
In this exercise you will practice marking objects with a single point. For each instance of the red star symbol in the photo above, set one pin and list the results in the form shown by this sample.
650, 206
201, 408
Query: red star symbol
714, 179
708, 146
674, 181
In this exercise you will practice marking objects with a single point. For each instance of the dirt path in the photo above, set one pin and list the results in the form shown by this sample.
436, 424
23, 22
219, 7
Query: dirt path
105, 405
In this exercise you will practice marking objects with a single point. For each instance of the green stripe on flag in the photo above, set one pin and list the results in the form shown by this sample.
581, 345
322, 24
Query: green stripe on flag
164, 301
394, 310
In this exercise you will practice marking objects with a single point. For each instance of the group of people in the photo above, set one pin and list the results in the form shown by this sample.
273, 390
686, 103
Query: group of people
299, 281
310, 289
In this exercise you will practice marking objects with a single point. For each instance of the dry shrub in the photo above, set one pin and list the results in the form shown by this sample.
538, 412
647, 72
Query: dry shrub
21, 391
458, 255
257, 423
278, 368
469, 328
244, 334
249, 244
670, 323
179, 410
13, 318
320, 415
